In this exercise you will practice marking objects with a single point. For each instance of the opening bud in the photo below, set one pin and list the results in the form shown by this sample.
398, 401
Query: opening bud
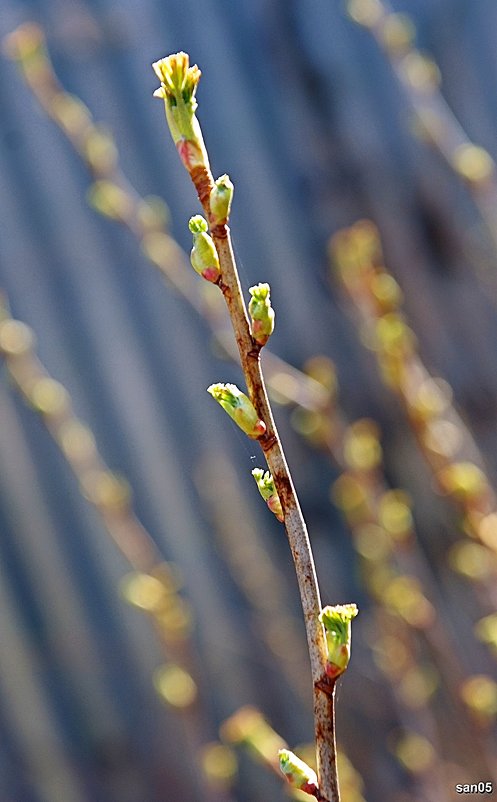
220, 200
261, 312
298, 773
203, 256
178, 86
336, 621
267, 489
239, 407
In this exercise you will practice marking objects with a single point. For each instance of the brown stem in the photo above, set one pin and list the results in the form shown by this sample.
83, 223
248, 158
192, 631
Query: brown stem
294, 522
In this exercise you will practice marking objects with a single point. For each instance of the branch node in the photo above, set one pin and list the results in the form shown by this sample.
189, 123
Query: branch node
254, 353
203, 182
220, 231
267, 442
326, 685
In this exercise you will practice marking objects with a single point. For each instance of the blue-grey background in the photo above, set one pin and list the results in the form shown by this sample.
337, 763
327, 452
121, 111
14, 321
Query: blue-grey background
300, 107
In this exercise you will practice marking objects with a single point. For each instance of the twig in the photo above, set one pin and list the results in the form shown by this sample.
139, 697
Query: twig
178, 87
113, 196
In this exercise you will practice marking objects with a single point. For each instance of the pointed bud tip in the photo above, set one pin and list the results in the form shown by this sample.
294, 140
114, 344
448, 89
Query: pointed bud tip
265, 482
225, 391
260, 291
173, 66
177, 78
213, 389
197, 224
224, 183
339, 612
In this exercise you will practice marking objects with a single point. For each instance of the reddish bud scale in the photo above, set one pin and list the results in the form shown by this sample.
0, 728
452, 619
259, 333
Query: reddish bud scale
274, 505
259, 428
258, 332
211, 274
309, 788
306, 787
333, 671
189, 153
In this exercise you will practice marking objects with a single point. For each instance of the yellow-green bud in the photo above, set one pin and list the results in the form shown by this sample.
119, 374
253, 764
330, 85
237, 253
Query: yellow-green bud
298, 773
267, 489
203, 256
239, 407
111, 200
336, 621
261, 312
178, 86
220, 200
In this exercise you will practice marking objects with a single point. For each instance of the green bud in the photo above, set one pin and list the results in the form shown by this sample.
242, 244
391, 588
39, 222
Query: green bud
298, 773
239, 407
267, 489
220, 200
178, 86
261, 312
203, 256
336, 621
198, 224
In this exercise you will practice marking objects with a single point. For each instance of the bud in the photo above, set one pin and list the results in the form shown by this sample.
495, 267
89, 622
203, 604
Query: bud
175, 685
473, 163
178, 87
267, 489
110, 199
336, 622
26, 45
239, 407
100, 149
220, 200
298, 773
204, 256
261, 312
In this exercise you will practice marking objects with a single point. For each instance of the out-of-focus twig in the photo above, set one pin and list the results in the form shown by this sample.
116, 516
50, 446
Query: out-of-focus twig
405, 596
420, 78
444, 440
153, 586
450, 452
